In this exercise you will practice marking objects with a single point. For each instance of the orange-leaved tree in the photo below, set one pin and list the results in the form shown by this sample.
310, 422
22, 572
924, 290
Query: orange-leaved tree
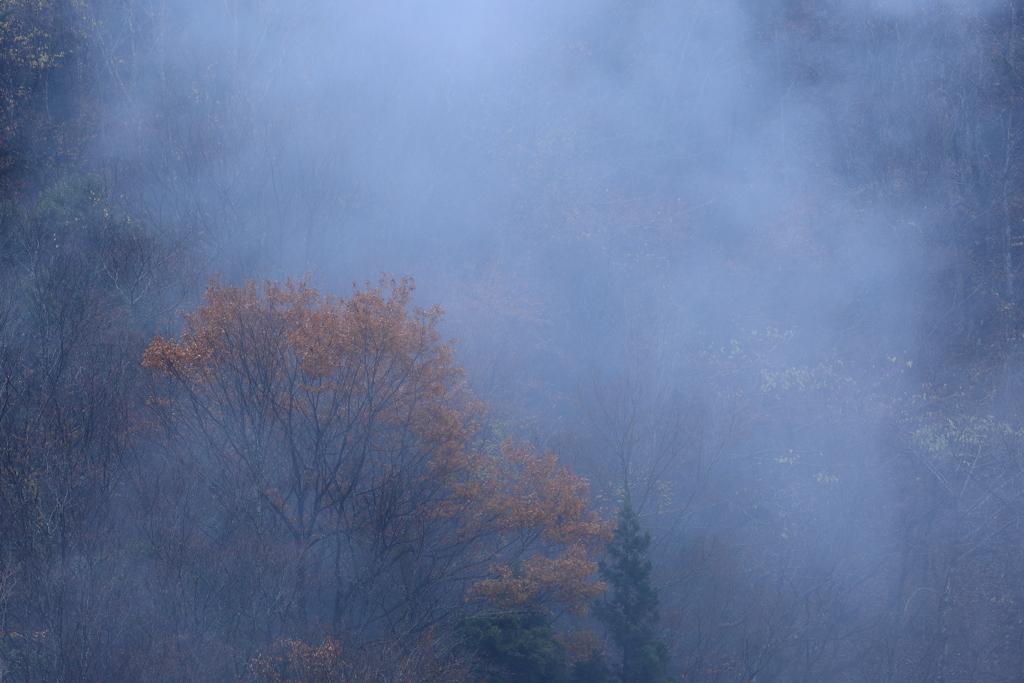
338, 434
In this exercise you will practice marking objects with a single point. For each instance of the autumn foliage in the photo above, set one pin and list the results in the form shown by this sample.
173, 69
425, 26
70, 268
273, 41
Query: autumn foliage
423, 660
348, 429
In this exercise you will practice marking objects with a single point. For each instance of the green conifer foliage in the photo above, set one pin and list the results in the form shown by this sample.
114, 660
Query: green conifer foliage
632, 612
516, 647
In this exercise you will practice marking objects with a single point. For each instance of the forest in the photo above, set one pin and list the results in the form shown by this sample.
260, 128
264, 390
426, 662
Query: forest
607, 341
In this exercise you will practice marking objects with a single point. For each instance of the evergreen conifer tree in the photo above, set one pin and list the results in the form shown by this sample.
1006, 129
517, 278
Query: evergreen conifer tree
632, 612
516, 647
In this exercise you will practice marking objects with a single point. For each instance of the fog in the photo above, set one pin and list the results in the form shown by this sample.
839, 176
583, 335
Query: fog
753, 266
663, 167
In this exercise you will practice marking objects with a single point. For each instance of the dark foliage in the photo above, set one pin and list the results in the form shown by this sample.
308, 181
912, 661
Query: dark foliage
516, 648
631, 613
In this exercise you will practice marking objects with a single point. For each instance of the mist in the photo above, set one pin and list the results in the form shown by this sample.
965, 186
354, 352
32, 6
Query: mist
751, 269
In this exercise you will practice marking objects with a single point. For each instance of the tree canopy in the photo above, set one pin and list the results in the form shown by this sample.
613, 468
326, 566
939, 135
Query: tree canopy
348, 429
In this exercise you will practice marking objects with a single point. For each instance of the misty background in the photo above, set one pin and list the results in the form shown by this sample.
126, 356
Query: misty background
604, 170
757, 261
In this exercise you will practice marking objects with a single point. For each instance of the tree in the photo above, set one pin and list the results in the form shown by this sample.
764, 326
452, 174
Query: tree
71, 424
632, 612
336, 440
45, 110
427, 659
327, 422
518, 647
